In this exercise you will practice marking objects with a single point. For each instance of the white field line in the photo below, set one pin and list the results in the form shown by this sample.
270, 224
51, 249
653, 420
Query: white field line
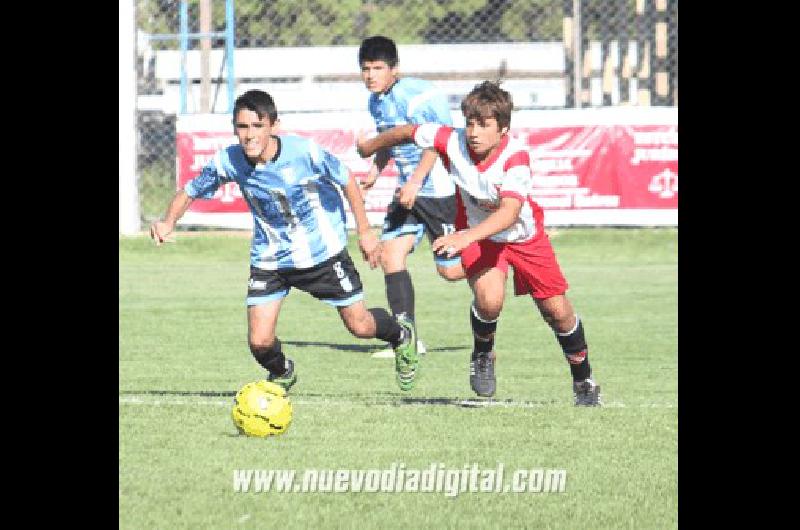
325, 402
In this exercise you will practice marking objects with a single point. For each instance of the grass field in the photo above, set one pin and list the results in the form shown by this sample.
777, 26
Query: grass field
183, 354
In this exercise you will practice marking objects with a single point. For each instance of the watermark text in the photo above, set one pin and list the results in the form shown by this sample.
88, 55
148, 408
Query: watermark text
398, 479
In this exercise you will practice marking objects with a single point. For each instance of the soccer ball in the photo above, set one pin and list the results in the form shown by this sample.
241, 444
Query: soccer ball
261, 409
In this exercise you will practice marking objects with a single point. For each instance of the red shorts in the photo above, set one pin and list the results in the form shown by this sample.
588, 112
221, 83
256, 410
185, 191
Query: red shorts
536, 269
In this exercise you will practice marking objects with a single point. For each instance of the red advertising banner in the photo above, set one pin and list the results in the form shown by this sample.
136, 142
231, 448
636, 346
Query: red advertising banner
604, 166
599, 172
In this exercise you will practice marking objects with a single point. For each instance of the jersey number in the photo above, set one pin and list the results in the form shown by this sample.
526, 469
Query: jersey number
344, 281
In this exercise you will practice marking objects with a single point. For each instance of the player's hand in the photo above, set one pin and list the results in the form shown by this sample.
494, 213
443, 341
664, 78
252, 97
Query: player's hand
159, 231
369, 180
408, 194
451, 244
362, 146
370, 248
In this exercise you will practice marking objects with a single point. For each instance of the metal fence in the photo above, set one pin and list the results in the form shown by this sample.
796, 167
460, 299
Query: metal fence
584, 53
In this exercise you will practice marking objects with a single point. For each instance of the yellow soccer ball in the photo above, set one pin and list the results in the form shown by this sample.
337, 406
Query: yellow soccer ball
262, 409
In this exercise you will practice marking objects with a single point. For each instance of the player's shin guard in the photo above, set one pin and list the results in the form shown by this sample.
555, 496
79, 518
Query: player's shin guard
386, 328
573, 343
270, 357
400, 293
482, 331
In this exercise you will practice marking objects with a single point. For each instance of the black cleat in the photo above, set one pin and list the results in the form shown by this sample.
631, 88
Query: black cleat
587, 393
481, 373
287, 379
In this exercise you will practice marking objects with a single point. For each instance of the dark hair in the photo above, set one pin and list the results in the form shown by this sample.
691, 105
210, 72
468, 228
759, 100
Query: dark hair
378, 48
488, 100
259, 102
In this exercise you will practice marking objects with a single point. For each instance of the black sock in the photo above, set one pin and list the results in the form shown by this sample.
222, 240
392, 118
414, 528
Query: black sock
400, 293
387, 328
270, 357
482, 331
573, 344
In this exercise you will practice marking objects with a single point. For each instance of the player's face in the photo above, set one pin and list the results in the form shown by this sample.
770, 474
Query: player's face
484, 135
377, 76
254, 134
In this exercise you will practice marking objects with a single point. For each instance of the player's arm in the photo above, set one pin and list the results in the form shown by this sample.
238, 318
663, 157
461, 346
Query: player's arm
408, 193
202, 186
389, 138
159, 230
378, 164
502, 218
435, 110
367, 240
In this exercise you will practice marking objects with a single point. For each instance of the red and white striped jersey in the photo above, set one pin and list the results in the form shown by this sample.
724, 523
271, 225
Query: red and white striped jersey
481, 184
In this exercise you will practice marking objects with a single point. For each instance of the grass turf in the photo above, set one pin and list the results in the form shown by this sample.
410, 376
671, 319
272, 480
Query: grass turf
183, 354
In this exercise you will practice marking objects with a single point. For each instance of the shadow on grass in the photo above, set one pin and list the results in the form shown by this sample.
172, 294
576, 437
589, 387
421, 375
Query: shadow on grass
376, 398
356, 347
194, 393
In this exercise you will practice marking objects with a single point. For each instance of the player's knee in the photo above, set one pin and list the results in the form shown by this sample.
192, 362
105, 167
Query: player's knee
489, 309
451, 274
261, 342
559, 320
390, 263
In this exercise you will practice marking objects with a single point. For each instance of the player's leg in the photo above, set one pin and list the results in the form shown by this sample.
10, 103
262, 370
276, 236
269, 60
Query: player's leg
536, 272
399, 332
337, 283
399, 288
265, 293
438, 215
451, 273
486, 269
488, 287
559, 314
402, 232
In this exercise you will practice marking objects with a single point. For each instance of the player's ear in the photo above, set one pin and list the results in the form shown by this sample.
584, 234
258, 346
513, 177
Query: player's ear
276, 125
504, 130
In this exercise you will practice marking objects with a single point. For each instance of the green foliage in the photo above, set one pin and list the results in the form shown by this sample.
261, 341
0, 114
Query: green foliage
533, 20
298, 23
347, 22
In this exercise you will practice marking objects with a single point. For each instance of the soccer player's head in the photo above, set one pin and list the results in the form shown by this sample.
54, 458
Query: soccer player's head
487, 113
378, 48
257, 101
377, 57
488, 100
255, 118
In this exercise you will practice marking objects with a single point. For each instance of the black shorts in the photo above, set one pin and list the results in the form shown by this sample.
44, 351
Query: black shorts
434, 216
334, 281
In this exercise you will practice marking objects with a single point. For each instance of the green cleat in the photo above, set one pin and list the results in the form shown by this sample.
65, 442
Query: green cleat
406, 356
287, 379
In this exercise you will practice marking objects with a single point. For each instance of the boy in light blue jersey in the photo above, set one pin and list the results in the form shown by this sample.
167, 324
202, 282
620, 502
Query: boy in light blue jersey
425, 200
299, 239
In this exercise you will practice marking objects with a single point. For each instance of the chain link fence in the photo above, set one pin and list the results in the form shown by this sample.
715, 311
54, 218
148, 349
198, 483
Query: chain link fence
548, 53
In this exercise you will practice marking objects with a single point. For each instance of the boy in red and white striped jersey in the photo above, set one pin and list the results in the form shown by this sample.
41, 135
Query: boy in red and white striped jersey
498, 224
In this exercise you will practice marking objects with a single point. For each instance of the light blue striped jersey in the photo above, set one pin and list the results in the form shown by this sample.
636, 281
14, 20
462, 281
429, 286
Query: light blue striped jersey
298, 213
412, 100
